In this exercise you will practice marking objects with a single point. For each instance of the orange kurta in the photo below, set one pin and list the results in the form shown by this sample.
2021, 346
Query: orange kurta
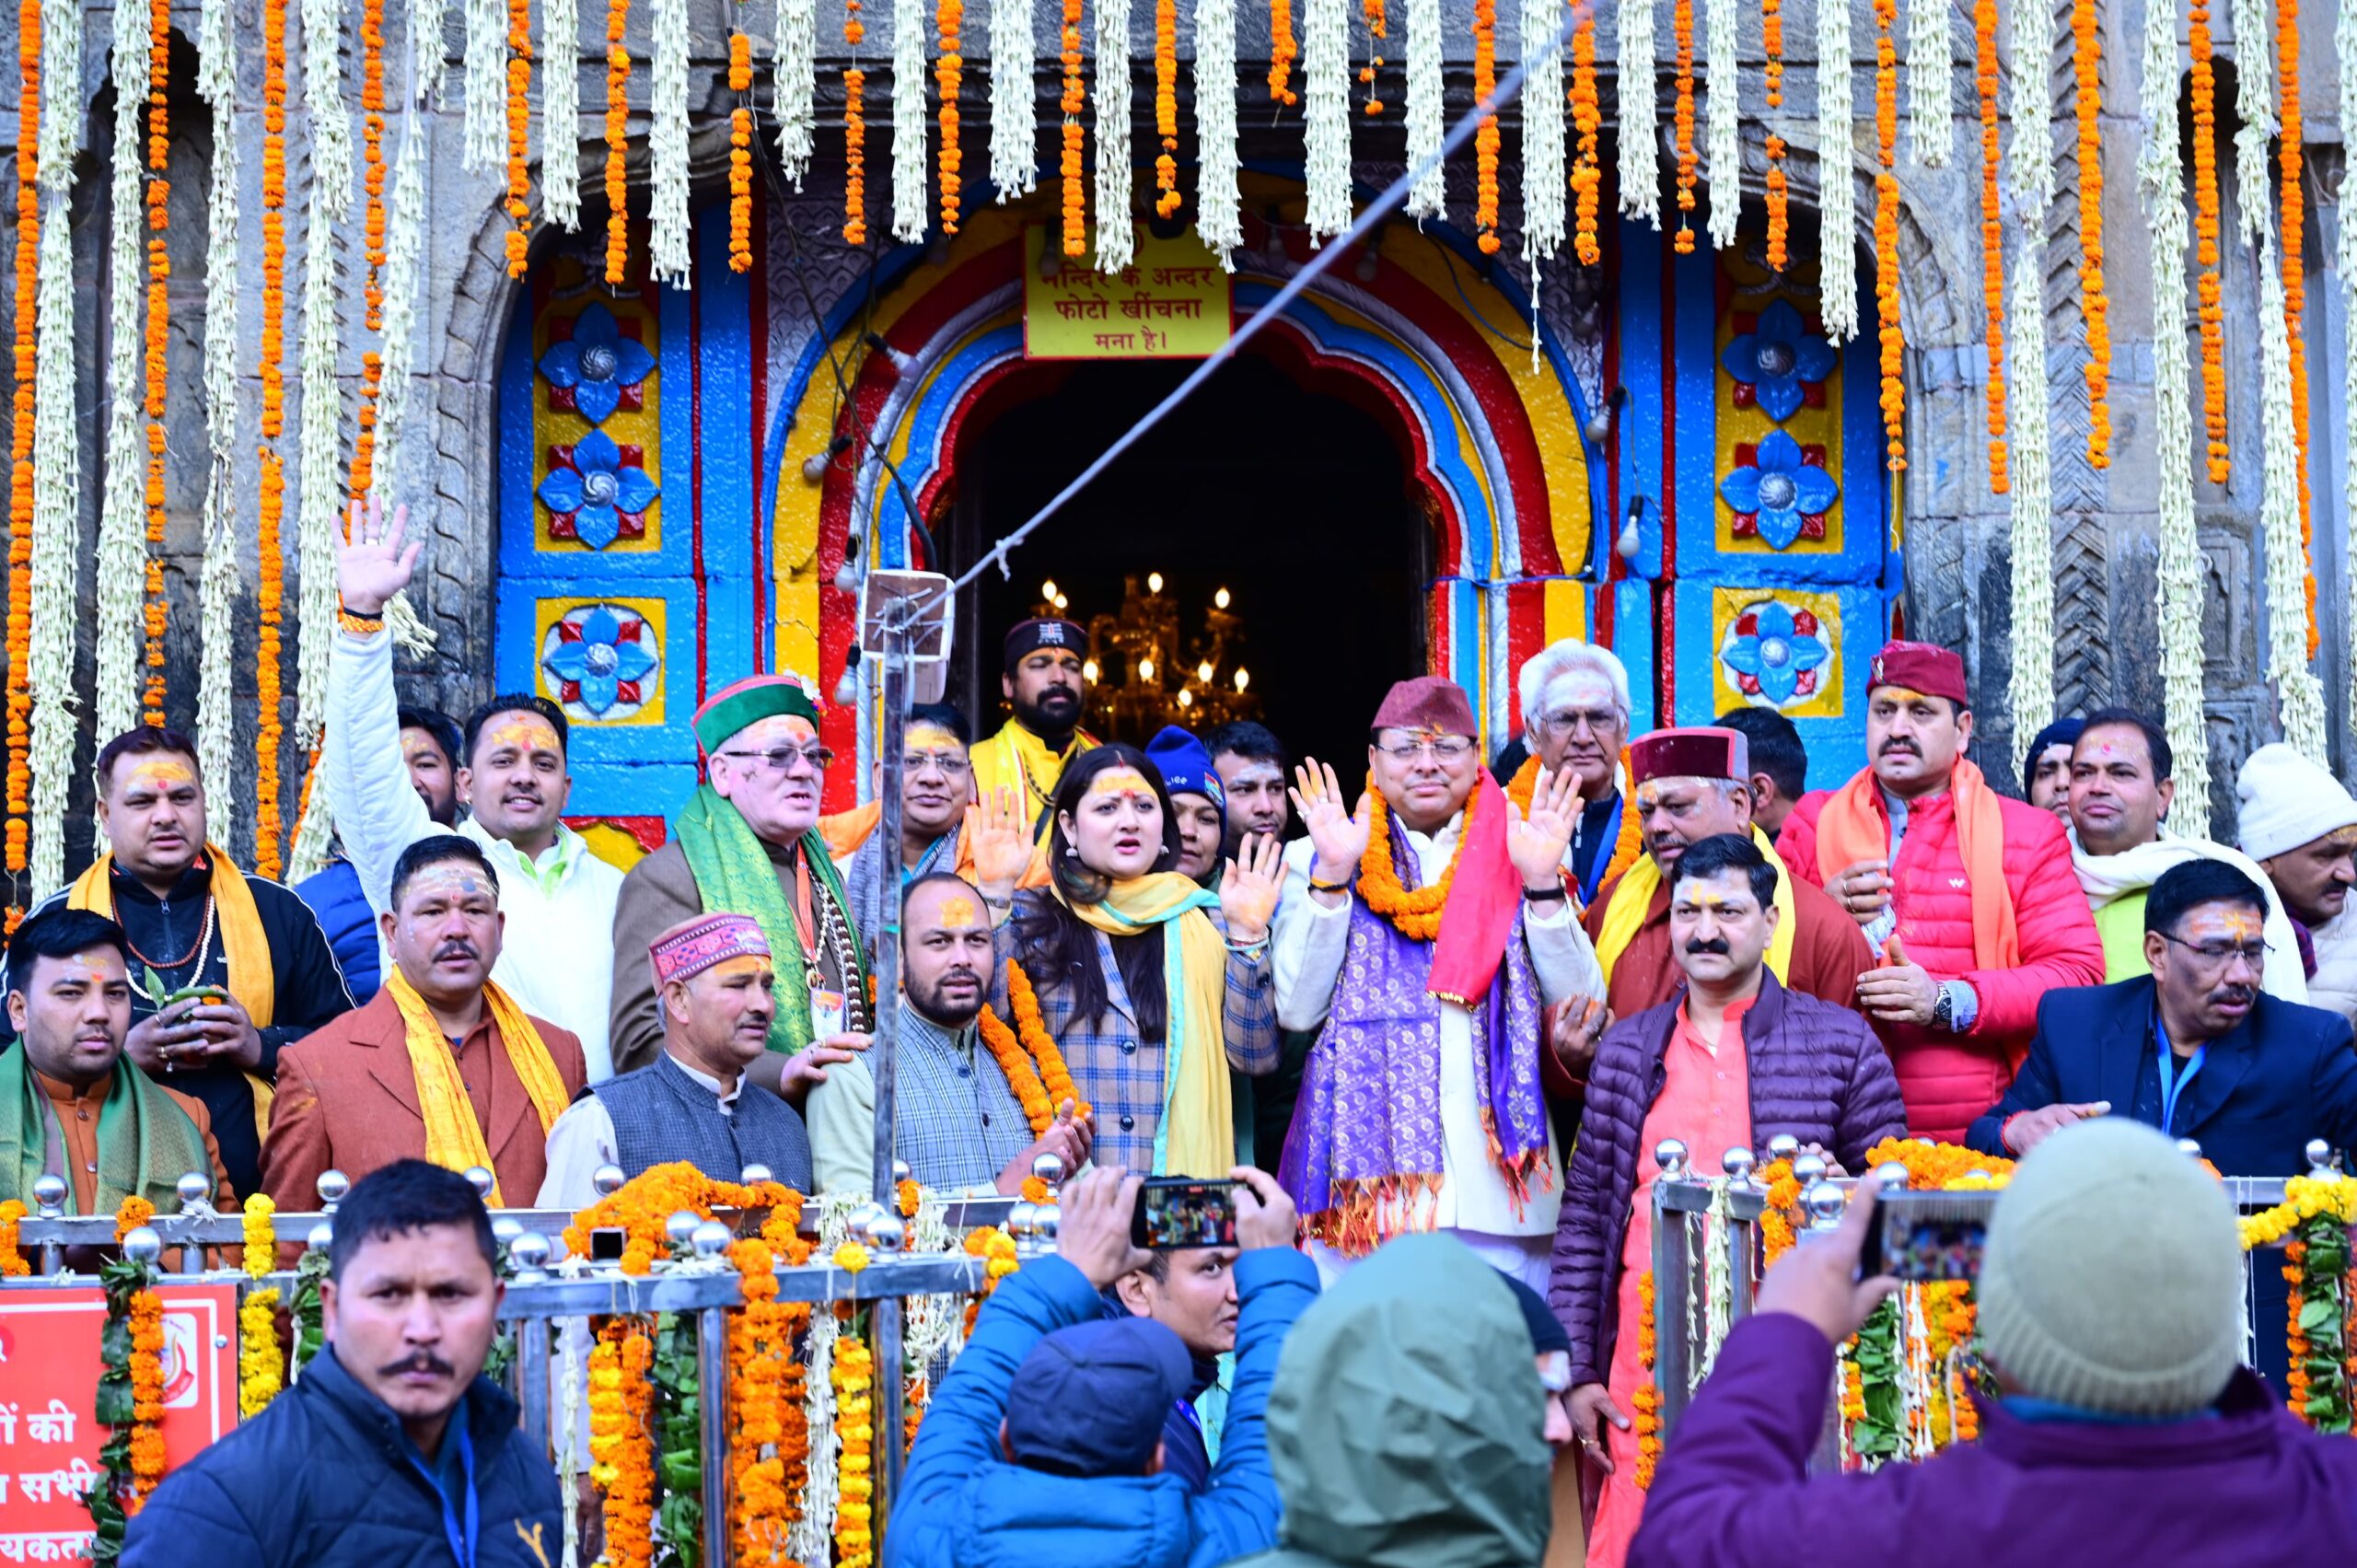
1705, 1103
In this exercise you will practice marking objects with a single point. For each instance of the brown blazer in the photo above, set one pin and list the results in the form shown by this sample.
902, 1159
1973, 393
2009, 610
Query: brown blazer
347, 1101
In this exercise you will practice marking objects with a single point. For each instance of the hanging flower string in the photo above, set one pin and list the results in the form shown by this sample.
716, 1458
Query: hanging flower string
1893, 339
1071, 171
1682, 25
2202, 89
261, 1362
1993, 237
1780, 217
1379, 27
363, 475
1166, 199
948, 75
2086, 64
1282, 49
20, 446
854, 132
741, 155
269, 831
1485, 139
2289, 156
519, 124
1587, 125
159, 318
617, 143
1646, 1400
1836, 198
853, 1375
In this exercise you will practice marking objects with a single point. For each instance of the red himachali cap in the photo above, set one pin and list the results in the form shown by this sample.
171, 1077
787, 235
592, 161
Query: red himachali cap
1428, 701
1921, 666
1700, 753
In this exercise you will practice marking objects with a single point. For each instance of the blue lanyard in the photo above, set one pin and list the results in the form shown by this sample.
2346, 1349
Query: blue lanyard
462, 1521
924, 862
2173, 1082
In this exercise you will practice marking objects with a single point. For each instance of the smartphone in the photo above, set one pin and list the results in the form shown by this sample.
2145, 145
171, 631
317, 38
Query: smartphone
1925, 1238
605, 1244
1178, 1211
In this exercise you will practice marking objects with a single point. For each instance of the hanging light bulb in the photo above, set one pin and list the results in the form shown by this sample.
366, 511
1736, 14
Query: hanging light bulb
1047, 590
1243, 678
1186, 698
1154, 582
1062, 602
1204, 671
1219, 600
1145, 669
1088, 670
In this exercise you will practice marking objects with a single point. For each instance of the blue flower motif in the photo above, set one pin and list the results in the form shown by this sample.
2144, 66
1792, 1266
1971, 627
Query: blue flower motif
595, 365
1775, 653
592, 496
602, 661
1776, 356
1779, 489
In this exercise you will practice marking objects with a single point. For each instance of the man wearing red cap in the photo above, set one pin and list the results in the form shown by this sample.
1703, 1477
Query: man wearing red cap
748, 844
1969, 895
1045, 685
1691, 784
1421, 935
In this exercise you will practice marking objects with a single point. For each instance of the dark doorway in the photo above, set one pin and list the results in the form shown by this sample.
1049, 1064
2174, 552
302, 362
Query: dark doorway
1296, 502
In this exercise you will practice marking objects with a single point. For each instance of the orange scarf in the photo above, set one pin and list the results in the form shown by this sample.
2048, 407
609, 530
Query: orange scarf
1854, 828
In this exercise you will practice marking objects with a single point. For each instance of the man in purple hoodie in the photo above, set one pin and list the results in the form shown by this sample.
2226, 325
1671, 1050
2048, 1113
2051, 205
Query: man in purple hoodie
2110, 1295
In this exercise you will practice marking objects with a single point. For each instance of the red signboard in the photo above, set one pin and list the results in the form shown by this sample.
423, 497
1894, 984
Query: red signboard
49, 1386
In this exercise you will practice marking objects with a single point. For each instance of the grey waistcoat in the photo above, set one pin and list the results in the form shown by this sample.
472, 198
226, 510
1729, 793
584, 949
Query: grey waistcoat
661, 1114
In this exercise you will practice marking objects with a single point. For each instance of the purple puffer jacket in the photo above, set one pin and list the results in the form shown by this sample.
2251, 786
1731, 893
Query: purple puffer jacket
2247, 1486
1816, 1072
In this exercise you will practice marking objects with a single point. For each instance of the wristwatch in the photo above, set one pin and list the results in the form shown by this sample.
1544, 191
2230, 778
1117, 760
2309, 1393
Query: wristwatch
1944, 1011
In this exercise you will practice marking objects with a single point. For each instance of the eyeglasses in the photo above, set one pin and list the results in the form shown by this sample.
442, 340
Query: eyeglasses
949, 763
1567, 722
1444, 747
2217, 955
781, 759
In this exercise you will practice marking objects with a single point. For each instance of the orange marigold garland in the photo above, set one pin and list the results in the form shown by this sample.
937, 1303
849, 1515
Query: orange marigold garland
1587, 125
741, 155
1992, 238
1027, 1053
1166, 199
1646, 1398
2208, 290
519, 124
159, 317
641, 1207
1777, 1228
622, 1447
1893, 341
1074, 101
1682, 31
1415, 914
1780, 218
269, 831
372, 362
618, 144
853, 1375
769, 1452
948, 75
20, 446
1282, 50
1378, 28
2086, 63
854, 151
12, 1261
1485, 140
2295, 285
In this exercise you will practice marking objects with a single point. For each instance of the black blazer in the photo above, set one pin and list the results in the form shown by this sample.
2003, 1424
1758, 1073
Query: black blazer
2287, 1074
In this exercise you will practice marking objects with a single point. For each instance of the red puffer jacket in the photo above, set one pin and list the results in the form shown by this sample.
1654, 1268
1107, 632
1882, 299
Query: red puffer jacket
1949, 1079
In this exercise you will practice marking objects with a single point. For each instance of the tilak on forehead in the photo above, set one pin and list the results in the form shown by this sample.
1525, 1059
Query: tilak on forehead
2237, 923
1120, 781
524, 730
933, 738
449, 879
957, 909
161, 769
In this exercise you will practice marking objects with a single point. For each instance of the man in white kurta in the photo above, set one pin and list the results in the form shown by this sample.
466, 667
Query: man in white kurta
1416, 1066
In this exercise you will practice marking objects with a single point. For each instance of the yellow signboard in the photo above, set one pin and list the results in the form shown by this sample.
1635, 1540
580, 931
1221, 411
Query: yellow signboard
1171, 302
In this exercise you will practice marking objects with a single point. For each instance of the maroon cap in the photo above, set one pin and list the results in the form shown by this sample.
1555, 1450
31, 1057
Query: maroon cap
1700, 753
1921, 666
1428, 701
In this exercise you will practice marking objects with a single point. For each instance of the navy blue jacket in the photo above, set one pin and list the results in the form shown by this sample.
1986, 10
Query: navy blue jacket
324, 1479
963, 1505
350, 925
2288, 1073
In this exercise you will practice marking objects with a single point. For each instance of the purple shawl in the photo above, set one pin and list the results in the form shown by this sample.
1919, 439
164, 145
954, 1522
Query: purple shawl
1366, 1139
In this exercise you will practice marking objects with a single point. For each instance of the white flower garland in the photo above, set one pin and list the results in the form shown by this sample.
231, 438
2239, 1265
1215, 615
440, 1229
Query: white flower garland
1116, 234
1543, 106
1428, 197
61, 61
560, 114
1640, 167
2299, 695
1837, 197
425, 57
794, 86
1721, 148
2181, 565
318, 518
485, 143
217, 736
1326, 115
1014, 114
2344, 38
811, 1538
909, 171
1219, 202
667, 140
56, 454
123, 515
1930, 87
2031, 177
404, 268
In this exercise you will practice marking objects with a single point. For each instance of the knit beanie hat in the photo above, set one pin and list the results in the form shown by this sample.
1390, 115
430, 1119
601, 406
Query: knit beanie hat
2113, 1279
2285, 801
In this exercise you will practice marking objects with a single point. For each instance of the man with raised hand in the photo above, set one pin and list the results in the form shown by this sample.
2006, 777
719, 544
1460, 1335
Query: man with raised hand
556, 895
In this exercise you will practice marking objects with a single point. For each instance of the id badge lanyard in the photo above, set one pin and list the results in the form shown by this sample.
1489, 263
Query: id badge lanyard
2172, 1081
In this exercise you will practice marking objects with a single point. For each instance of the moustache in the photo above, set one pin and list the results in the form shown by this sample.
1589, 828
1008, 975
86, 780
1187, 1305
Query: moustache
962, 971
1715, 944
457, 948
2241, 994
1891, 747
424, 1361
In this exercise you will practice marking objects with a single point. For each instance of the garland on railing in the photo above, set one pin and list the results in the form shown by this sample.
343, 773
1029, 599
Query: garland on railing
621, 1445
1721, 131
262, 1366
1219, 206
121, 570
1837, 199
853, 1375
12, 1259
2316, 1214
130, 1391
1873, 1402
910, 162
1326, 117
1014, 114
1116, 235
1645, 1400
1992, 235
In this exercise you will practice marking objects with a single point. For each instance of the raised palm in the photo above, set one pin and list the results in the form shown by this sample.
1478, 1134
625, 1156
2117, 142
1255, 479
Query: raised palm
372, 565
1535, 841
1338, 832
1248, 892
1000, 841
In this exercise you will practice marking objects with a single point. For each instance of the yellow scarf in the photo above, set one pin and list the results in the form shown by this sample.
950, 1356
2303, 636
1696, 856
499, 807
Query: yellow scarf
1197, 1134
244, 945
454, 1139
1624, 912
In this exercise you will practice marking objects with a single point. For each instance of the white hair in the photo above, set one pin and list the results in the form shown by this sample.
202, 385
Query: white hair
1546, 672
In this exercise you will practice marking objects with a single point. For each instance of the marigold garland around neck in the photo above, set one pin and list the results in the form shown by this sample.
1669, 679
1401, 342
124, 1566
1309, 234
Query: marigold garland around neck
1416, 913
1028, 1055
454, 1139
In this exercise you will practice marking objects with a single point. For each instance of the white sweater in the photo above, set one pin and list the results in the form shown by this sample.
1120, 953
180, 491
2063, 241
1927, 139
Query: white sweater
557, 957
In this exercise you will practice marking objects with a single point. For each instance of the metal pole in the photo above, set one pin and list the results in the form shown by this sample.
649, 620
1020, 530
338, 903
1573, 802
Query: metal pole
884, 1316
712, 1374
887, 1400
1673, 1292
533, 1363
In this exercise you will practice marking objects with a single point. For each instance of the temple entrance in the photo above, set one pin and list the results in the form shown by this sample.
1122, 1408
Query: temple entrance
1296, 504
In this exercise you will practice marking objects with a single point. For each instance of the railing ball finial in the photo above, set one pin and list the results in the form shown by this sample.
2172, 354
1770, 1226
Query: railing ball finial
1891, 1177
2318, 1154
2189, 1147
506, 1231
322, 1237
49, 1195
711, 1238
1824, 1203
529, 1252
901, 1172
607, 1180
1784, 1146
1736, 1162
195, 1190
1671, 1155
885, 1232
1049, 1166
1808, 1171
681, 1227
334, 1187
143, 1245
752, 1174
481, 1180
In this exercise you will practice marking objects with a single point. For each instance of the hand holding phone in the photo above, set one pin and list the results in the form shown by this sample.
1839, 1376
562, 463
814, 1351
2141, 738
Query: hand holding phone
1819, 1279
1176, 1212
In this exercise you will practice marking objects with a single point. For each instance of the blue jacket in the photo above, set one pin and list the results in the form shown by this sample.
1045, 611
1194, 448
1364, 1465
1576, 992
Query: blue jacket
2288, 1073
963, 1505
344, 914
324, 1479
